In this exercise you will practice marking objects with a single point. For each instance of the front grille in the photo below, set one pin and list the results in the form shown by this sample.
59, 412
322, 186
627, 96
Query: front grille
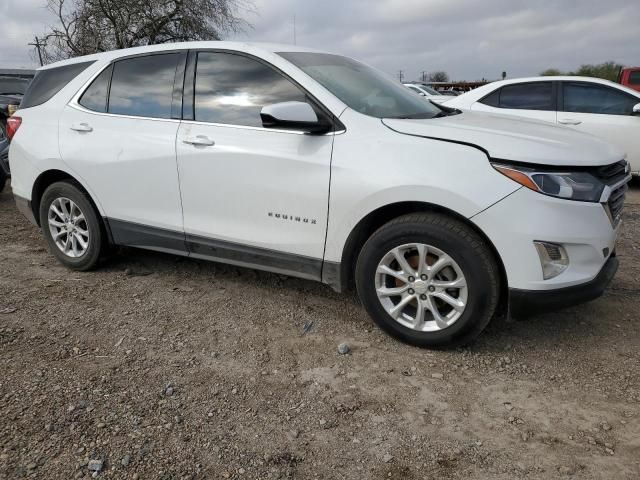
614, 176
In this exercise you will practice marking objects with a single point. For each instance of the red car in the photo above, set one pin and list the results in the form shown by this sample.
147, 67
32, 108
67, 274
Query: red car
630, 77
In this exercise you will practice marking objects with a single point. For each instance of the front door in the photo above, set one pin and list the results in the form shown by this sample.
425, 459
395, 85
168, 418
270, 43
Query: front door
251, 196
605, 112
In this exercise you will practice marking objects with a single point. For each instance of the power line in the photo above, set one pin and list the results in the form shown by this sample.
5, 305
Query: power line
38, 44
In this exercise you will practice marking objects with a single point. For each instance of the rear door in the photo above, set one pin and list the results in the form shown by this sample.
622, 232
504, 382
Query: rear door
119, 137
535, 100
603, 111
251, 195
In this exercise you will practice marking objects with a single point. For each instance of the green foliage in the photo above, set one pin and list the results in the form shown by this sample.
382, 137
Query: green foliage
606, 70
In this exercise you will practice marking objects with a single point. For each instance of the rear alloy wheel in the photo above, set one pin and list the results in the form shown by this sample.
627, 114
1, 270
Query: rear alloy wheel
428, 280
71, 226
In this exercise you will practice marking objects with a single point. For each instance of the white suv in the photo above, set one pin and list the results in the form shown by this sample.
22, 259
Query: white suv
316, 166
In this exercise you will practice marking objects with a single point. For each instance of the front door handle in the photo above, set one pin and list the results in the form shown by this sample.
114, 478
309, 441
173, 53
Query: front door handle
81, 127
569, 121
199, 140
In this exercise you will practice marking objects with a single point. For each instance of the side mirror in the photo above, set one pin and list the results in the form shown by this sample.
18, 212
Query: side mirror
636, 109
293, 116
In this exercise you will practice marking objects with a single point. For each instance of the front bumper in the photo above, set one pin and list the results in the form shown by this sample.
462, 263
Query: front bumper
524, 303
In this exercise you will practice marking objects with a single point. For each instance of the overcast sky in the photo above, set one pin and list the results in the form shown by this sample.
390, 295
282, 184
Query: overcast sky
469, 39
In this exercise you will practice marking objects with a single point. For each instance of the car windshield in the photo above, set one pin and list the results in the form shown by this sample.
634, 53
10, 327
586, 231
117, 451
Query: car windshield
362, 88
13, 86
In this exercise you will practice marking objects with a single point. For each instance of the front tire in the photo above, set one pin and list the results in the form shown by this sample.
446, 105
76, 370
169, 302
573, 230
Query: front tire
428, 280
71, 226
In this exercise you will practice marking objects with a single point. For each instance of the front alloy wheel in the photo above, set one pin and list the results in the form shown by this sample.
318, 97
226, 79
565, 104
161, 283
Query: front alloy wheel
429, 280
421, 287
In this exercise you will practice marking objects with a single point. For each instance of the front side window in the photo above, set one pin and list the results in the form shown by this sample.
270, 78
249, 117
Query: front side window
590, 98
527, 96
232, 89
362, 88
143, 86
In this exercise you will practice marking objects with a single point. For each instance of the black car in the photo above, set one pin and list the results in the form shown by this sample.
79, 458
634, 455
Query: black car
11, 92
4, 160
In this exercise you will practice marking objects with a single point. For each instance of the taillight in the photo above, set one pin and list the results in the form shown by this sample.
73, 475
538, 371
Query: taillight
13, 124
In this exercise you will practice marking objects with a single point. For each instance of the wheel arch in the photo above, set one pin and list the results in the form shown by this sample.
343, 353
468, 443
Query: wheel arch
344, 278
51, 176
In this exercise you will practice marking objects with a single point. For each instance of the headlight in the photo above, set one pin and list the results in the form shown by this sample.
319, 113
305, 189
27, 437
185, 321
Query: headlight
570, 185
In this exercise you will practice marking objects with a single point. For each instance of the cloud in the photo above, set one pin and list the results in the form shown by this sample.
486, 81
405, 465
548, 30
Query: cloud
469, 39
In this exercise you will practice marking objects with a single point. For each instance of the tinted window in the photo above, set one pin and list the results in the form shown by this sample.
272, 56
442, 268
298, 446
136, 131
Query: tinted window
527, 96
634, 78
143, 86
232, 89
493, 99
361, 87
47, 83
589, 98
95, 97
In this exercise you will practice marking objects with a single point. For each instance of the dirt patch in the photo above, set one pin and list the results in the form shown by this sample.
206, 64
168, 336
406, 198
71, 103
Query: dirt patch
162, 367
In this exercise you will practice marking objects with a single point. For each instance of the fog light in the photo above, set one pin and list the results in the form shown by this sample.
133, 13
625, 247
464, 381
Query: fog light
553, 258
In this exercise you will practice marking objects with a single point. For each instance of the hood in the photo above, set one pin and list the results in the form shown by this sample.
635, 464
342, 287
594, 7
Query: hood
515, 139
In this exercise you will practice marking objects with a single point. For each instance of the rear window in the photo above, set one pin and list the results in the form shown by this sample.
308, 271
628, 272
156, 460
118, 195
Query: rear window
634, 78
13, 86
47, 83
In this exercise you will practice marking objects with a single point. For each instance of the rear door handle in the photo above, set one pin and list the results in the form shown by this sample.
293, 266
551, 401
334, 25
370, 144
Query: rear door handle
199, 140
81, 127
569, 121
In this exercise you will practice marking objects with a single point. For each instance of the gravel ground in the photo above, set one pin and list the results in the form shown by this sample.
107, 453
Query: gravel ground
163, 367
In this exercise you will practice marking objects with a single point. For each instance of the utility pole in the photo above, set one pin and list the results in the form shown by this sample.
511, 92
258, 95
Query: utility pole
38, 44
401, 75
424, 76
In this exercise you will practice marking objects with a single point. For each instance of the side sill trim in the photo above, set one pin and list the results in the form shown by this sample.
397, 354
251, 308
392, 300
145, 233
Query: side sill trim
169, 241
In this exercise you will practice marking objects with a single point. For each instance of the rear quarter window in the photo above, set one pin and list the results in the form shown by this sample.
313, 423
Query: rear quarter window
47, 83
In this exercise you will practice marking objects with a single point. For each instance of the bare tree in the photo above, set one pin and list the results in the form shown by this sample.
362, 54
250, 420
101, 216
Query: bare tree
438, 77
90, 26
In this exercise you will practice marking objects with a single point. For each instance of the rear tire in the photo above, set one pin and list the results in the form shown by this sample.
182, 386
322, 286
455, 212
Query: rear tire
71, 226
428, 280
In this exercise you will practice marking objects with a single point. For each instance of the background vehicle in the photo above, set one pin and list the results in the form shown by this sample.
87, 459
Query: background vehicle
423, 90
630, 77
4, 160
591, 105
11, 92
421, 206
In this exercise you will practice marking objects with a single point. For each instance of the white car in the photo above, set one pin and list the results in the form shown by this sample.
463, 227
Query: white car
423, 90
317, 166
608, 110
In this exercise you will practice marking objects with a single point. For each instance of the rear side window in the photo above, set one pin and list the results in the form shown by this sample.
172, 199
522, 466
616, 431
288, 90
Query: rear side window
232, 89
589, 98
143, 86
527, 96
47, 83
95, 97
